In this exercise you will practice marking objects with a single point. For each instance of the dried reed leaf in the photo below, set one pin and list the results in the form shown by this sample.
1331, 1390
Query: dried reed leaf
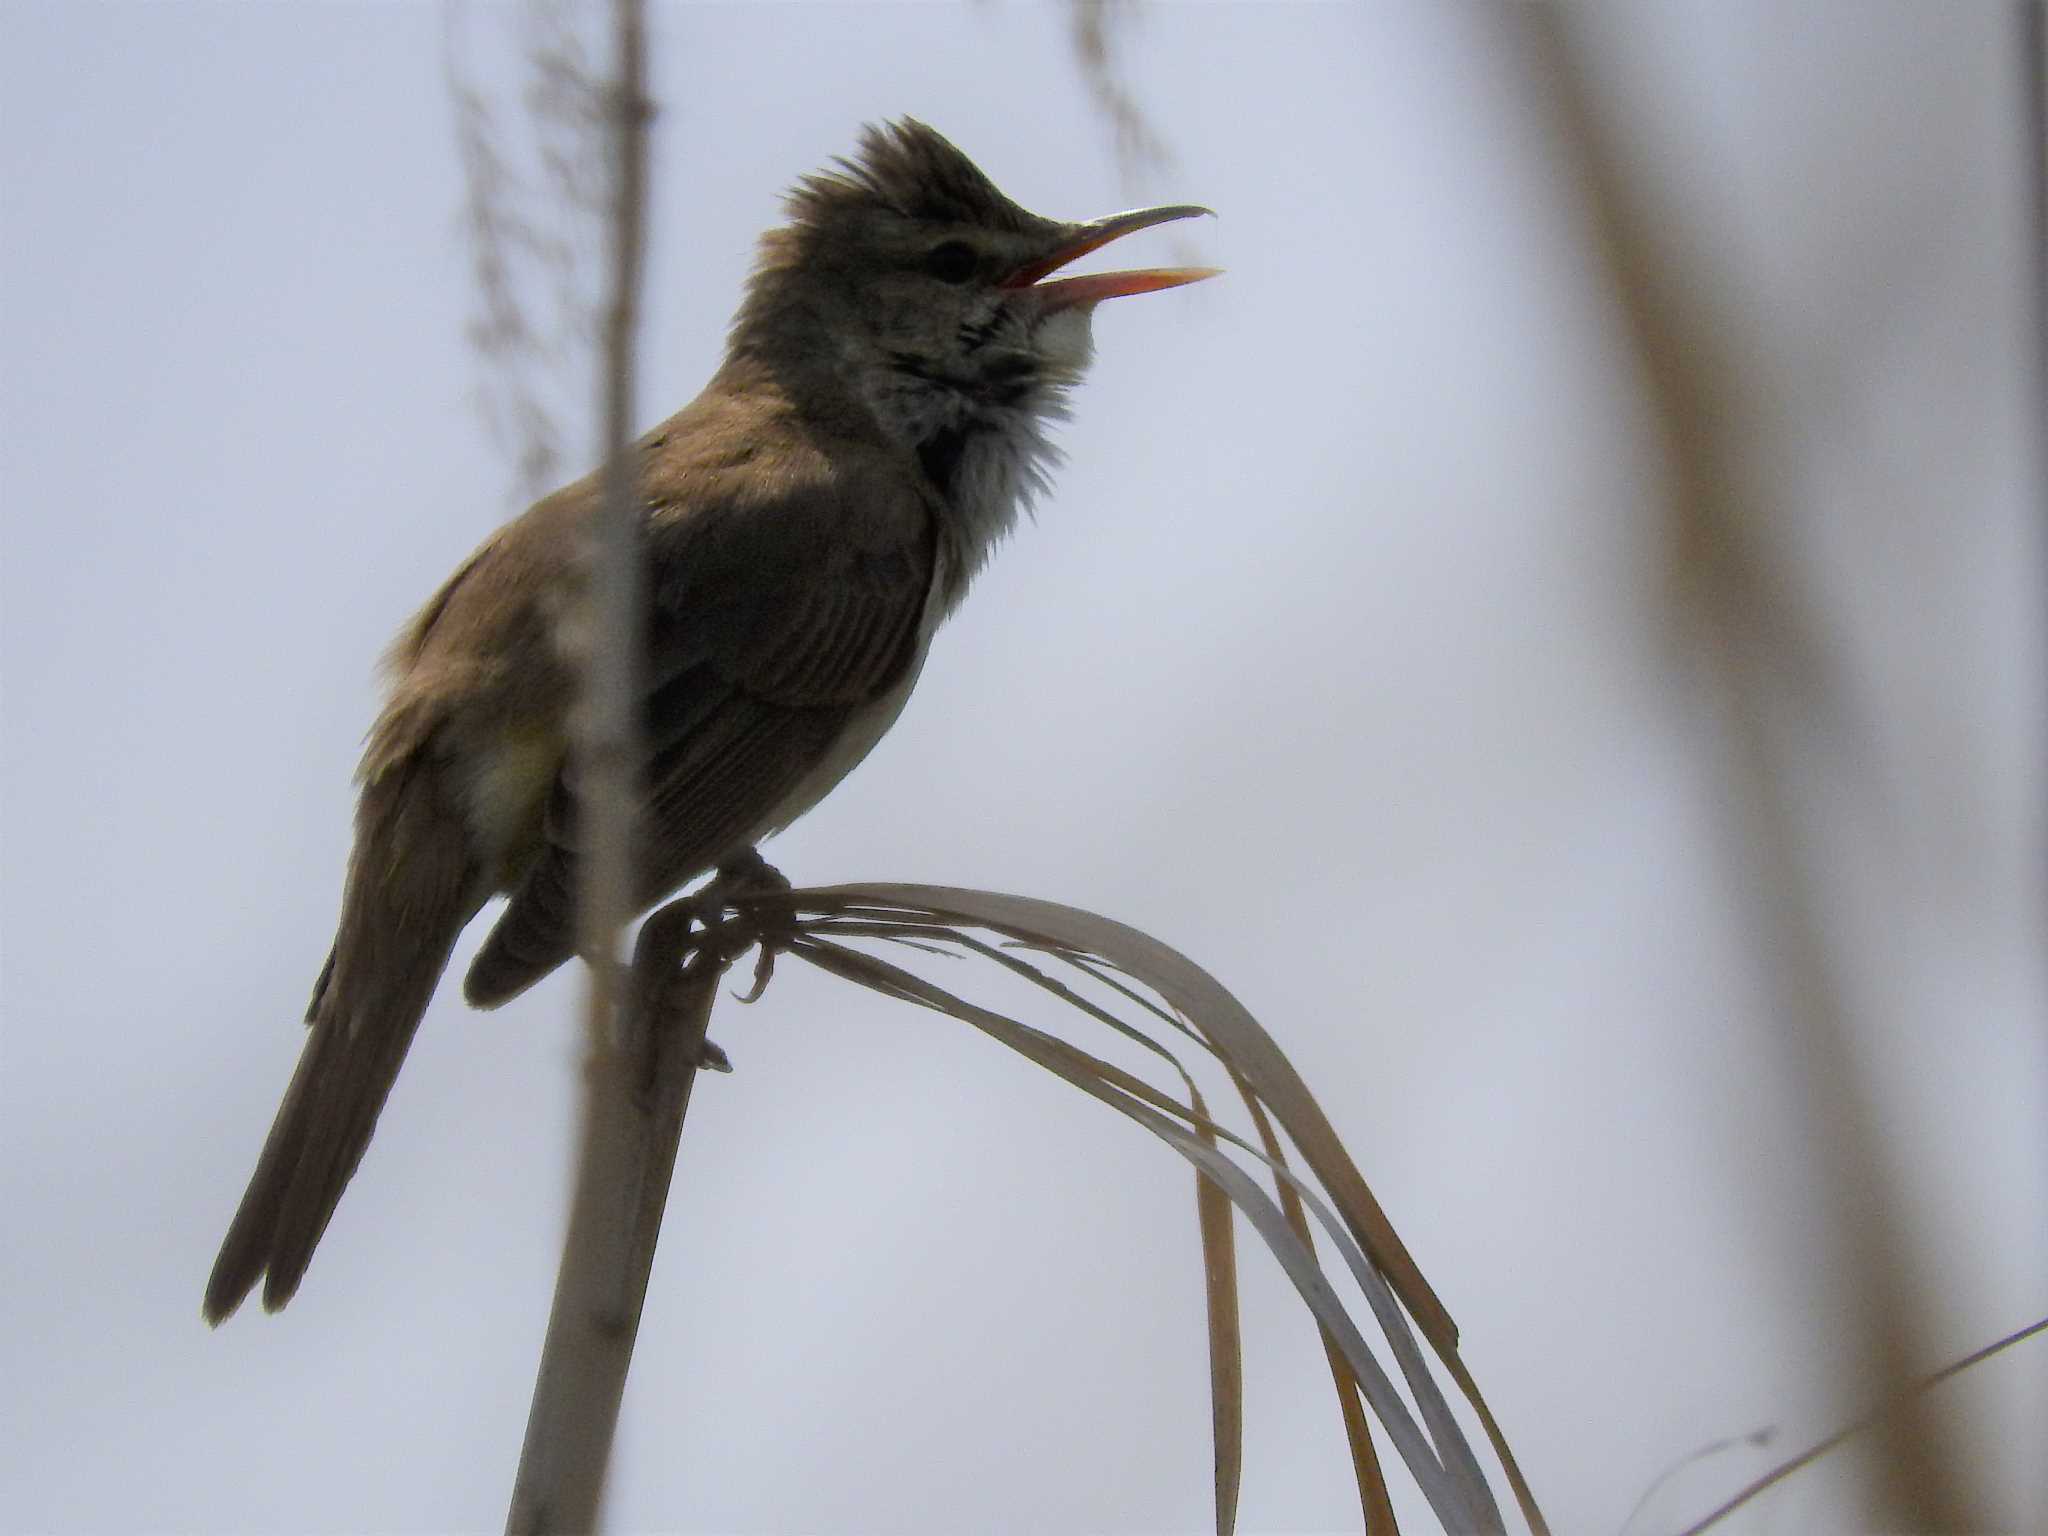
1226, 1340
1201, 998
1373, 1501
1246, 1045
1457, 1503
1081, 961
1212, 1212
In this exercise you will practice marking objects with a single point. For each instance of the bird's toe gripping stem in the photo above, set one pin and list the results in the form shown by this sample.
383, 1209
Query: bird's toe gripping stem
737, 909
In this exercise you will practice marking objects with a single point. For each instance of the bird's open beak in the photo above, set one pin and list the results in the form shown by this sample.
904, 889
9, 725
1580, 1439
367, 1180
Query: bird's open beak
1094, 287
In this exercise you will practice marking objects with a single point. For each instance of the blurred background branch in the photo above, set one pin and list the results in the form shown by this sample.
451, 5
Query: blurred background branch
536, 222
1759, 645
1099, 27
2031, 24
639, 1062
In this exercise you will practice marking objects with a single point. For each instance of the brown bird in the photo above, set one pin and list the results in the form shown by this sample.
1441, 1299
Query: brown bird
877, 425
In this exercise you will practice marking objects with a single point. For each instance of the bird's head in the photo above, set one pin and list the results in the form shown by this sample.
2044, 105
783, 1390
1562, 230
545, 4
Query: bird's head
913, 280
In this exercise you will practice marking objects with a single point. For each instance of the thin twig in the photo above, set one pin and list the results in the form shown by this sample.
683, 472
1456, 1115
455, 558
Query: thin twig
1813, 1453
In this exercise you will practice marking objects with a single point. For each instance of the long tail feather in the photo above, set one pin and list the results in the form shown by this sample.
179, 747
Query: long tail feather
410, 892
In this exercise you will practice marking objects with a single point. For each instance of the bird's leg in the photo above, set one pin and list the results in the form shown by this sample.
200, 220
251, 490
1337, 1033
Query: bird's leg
669, 953
663, 959
748, 874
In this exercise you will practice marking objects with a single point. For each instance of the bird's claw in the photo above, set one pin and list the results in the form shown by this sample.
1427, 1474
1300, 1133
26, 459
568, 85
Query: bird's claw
745, 876
764, 972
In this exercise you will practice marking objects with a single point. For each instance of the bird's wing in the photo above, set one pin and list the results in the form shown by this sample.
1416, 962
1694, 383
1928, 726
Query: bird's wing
772, 627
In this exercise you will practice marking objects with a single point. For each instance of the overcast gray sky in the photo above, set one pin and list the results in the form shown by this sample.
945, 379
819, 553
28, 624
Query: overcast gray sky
1341, 659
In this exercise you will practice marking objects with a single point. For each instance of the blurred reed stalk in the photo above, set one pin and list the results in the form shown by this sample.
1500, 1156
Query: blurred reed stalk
610, 626
1740, 613
2031, 25
640, 1061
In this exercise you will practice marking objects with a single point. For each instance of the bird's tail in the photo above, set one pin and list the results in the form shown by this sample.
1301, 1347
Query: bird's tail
410, 891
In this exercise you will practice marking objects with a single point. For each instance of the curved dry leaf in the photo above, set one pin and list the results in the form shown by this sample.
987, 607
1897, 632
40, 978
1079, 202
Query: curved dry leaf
1373, 1500
1251, 1051
1457, 1505
1226, 1338
1201, 998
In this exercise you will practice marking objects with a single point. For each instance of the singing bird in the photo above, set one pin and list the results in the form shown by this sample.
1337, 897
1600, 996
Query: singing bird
877, 425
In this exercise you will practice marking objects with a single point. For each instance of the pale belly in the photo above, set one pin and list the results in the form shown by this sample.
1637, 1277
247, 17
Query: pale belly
854, 743
864, 729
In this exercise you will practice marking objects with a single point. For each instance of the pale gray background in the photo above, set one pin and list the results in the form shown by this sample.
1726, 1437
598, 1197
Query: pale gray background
1339, 659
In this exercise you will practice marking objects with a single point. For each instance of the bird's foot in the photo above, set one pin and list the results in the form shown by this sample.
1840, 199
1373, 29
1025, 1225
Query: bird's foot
739, 884
665, 959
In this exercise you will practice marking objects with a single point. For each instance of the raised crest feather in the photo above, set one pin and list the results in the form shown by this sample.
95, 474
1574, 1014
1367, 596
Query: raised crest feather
911, 169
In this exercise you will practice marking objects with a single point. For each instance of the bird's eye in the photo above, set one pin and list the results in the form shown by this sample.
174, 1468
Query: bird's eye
953, 262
